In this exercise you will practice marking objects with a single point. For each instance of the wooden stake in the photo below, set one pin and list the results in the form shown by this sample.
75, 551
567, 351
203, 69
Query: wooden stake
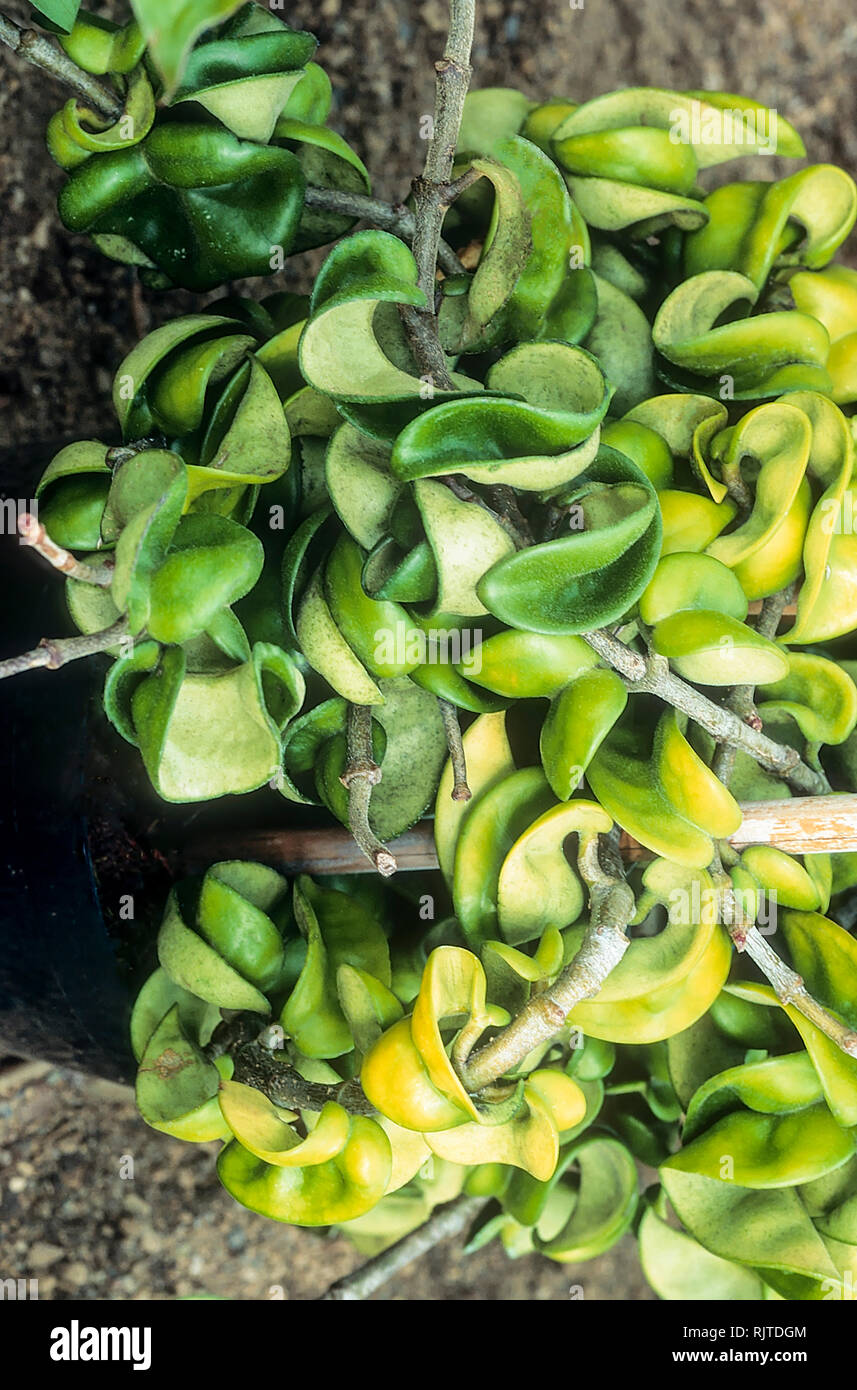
800, 825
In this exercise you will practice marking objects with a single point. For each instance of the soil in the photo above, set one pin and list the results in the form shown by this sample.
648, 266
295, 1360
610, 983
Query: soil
95, 1205
67, 317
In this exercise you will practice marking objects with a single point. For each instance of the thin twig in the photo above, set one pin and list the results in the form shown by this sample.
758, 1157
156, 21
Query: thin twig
421, 331
652, 676
790, 989
39, 51
604, 944
433, 191
54, 652
736, 487
361, 774
444, 1222
504, 500
390, 217
34, 534
741, 698
257, 1066
787, 984
452, 729
455, 187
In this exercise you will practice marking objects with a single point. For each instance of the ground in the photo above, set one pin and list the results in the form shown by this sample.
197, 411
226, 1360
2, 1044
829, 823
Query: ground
67, 316
95, 1205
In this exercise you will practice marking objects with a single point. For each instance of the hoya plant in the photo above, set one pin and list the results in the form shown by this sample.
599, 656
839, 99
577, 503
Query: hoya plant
529, 523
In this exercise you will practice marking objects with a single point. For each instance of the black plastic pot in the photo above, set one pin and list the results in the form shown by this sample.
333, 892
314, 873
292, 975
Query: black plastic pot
88, 848
61, 994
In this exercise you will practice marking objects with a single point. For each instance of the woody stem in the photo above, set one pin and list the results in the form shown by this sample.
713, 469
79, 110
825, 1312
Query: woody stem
361, 774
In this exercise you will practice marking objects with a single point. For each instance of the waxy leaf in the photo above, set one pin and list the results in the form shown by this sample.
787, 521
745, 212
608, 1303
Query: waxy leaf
591, 576
762, 356
177, 1085
338, 933
197, 1018
170, 30
318, 1191
505, 253
817, 694
537, 887
176, 200
578, 721
663, 983
501, 814
777, 1085
535, 444
767, 1150
714, 649
606, 1201
525, 665
678, 1267
768, 1230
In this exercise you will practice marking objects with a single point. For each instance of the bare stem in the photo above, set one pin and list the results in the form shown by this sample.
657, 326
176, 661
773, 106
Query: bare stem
790, 989
444, 1222
653, 676
741, 699
38, 50
361, 774
54, 652
736, 487
34, 534
505, 502
452, 729
390, 217
433, 191
257, 1066
787, 984
421, 331
604, 944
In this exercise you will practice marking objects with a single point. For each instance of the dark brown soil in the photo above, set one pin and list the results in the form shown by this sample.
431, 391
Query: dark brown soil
67, 316
87, 1223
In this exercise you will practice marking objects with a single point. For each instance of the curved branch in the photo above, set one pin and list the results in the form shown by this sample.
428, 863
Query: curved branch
604, 944
452, 730
390, 217
433, 192
361, 774
39, 51
259, 1066
653, 676
787, 984
444, 1222
34, 534
741, 698
54, 652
